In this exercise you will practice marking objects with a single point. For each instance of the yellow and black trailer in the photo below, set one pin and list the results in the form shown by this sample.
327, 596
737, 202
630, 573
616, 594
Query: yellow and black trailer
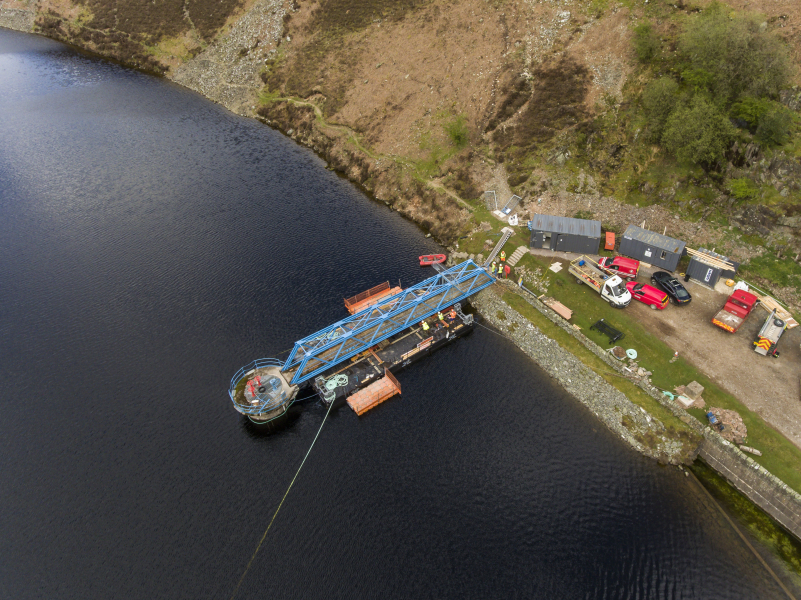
768, 337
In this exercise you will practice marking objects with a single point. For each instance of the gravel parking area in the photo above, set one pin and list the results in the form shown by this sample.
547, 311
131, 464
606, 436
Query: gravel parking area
768, 386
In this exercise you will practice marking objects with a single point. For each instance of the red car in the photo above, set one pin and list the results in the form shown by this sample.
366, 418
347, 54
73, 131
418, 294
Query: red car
626, 268
648, 294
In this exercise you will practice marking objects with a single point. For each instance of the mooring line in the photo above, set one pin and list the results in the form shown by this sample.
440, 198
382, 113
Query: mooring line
250, 562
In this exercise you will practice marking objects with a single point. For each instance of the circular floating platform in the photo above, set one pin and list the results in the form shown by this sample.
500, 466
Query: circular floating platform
263, 389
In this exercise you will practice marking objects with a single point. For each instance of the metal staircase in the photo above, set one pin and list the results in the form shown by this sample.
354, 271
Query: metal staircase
507, 233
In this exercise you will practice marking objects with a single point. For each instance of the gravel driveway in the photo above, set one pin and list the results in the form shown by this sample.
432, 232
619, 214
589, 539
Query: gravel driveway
768, 386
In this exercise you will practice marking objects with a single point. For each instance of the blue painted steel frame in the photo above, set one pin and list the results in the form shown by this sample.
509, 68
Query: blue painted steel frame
341, 333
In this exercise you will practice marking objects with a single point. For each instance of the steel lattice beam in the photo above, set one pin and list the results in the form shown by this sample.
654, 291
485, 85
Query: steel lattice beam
344, 339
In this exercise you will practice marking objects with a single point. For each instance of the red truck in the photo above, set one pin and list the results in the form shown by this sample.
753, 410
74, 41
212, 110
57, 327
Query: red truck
737, 308
626, 268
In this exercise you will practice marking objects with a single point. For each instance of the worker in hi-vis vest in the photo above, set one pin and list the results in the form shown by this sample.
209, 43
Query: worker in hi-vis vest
425, 326
494, 267
500, 269
503, 256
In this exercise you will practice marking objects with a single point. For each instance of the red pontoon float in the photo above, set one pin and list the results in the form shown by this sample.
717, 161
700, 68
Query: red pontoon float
431, 259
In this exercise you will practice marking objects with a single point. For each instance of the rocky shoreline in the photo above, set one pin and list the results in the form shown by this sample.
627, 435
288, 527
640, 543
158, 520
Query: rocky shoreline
624, 418
630, 422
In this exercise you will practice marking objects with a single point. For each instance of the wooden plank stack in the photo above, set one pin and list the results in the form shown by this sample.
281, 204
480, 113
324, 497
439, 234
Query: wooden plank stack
769, 304
711, 260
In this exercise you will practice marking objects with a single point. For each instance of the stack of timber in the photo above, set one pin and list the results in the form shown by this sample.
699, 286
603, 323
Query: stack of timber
711, 260
770, 304
556, 306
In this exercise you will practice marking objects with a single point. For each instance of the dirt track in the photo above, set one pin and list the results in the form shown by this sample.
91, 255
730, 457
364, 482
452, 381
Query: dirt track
766, 385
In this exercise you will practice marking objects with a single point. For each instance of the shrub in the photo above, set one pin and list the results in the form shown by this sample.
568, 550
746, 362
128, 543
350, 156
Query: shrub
743, 188
698, 133
659, 99
772, 122
751, 110
775, 127
646, 42
733, 55
458, 132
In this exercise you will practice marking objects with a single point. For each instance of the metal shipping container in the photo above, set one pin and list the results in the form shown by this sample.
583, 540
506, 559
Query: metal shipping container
565, 234
652, 248
709, 275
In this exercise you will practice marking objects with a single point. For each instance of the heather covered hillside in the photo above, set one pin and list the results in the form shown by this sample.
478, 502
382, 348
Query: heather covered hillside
669, 109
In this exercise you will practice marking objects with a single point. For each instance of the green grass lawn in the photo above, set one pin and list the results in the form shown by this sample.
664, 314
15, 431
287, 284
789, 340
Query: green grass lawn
575, 347
780, 456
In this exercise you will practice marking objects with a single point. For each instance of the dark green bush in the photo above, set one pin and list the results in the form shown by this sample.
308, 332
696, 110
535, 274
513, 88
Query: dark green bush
659, 99
775, 127
751, 110
731, 55
458, 132
698, 133
646, 42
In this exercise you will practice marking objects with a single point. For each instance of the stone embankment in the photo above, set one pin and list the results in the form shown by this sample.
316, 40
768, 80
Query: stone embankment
606, 402
630, 422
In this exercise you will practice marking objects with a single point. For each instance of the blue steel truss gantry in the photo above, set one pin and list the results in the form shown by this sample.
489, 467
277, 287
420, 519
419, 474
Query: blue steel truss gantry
340, 341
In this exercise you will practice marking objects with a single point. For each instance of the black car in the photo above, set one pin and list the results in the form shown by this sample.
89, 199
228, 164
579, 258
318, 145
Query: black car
671, 285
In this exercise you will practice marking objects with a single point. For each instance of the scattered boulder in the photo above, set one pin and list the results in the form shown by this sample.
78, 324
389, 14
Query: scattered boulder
693, 390
618, 352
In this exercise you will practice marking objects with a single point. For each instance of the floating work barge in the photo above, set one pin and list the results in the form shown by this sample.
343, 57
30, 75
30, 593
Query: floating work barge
377, 364
383, 336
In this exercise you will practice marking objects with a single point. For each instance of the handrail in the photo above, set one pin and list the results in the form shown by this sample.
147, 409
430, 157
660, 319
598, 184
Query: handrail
241, 374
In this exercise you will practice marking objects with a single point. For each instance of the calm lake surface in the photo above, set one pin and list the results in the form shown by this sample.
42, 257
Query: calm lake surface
151, 243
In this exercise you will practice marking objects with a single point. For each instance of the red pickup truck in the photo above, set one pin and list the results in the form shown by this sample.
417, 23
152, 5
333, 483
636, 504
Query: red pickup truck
737, 308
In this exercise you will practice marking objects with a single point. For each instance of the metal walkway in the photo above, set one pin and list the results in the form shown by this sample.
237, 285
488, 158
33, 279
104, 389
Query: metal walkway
507, 233
349, 337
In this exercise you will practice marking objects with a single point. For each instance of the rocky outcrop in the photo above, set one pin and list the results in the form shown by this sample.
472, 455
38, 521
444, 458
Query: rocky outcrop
17, 15
228, 70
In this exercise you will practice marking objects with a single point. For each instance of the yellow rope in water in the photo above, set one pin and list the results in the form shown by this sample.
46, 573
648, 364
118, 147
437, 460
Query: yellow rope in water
250, 562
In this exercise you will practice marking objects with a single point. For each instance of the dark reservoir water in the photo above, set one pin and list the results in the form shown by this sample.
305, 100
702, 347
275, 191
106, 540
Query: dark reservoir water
151, 243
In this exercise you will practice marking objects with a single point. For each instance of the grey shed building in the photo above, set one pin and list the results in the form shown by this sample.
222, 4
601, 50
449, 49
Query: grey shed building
653, 248
565, 234
709, 274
